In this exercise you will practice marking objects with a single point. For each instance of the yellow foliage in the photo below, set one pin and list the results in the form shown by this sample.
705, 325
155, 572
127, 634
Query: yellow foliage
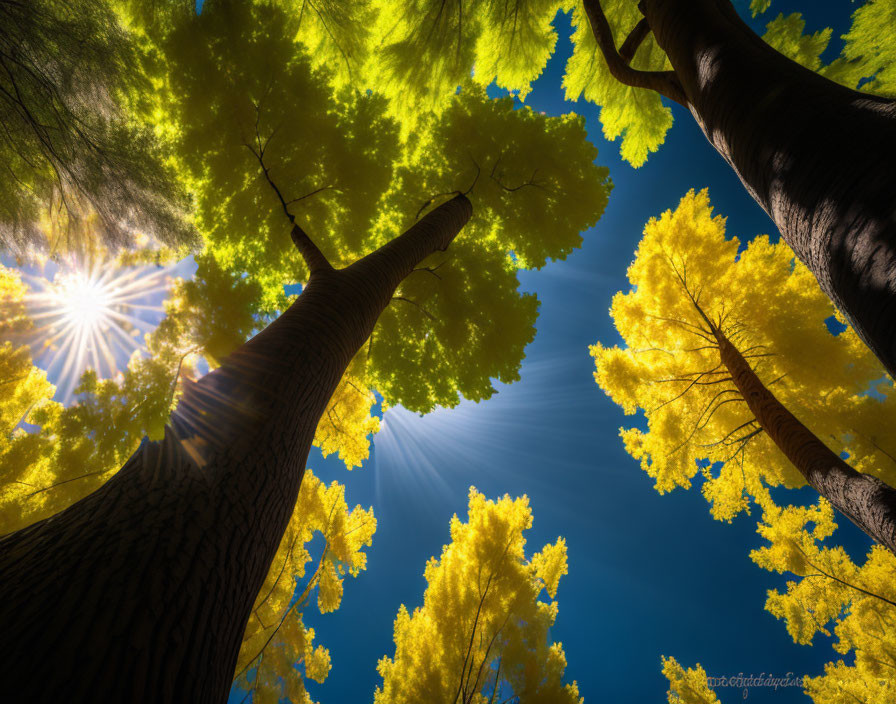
687, 686
482, 625
832, 595
276, 641
347, 424
669, 369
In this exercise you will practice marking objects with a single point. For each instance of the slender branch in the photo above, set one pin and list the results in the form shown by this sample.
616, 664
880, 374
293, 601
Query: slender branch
313, 257
633, 40
837, 579
417, 305
665, 83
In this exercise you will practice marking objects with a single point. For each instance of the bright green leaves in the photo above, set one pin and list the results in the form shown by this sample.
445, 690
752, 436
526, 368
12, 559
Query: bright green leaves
484, 624
427, 48
635, 114
785, 34
240, 89
458, 321
336, 35
870, 42
516, 41
454, 326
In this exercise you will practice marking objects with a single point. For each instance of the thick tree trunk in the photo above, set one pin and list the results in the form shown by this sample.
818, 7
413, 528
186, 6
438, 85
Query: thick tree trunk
818, 157
865, 500
141, 591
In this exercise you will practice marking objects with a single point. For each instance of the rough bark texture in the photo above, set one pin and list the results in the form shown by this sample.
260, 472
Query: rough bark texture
865, 500
816, 156
141, 591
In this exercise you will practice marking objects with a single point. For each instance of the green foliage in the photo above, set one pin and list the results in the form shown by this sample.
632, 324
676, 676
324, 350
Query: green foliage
78, 167
785, 34
635, 114
426, 48
870, 43
247, 89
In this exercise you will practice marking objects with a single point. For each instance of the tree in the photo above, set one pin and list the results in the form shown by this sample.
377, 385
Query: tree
482, 632
701, 325
687, 686
182, 536
78, 162
763, 112
829, 596
42, 471
858, 600
767, 116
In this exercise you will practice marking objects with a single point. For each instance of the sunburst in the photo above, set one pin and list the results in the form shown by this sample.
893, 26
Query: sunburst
91, 314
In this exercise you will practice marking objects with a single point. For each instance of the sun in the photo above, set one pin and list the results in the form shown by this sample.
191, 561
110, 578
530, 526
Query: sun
92, 314
84, 302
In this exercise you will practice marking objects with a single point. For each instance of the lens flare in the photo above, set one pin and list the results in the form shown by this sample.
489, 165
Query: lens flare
91, 315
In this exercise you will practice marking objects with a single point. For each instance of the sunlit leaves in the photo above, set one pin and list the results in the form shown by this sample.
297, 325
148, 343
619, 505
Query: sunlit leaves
355, 185
670, 369
425, 49
785, 34
687, 686
870, 43
278, 650
635, 114
483, 629
239, 88
832, 595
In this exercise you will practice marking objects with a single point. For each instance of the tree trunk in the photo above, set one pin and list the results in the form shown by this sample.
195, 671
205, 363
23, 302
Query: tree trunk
865, 500
141, 591
818, 157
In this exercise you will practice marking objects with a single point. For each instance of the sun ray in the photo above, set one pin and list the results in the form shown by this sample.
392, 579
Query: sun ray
93, 315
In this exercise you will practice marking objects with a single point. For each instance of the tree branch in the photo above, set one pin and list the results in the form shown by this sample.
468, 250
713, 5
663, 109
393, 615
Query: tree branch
313, 257
633, 40
665, 83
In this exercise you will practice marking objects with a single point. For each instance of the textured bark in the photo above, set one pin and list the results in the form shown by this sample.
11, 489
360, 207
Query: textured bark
141, 591
818, 157
865, 500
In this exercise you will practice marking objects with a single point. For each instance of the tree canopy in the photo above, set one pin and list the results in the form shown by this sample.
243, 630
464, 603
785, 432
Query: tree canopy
667, 368
82, 163
482, 634
428, 47
253, 125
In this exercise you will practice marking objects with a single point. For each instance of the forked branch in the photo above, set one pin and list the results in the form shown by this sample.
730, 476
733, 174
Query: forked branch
312, 255
663, 82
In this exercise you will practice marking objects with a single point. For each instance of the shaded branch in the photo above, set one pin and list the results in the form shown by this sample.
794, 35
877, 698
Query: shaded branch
665, 83
313, 257
633, 40
417, 305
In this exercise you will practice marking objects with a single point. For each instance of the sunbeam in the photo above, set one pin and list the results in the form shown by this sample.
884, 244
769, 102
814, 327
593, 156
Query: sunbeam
91, 315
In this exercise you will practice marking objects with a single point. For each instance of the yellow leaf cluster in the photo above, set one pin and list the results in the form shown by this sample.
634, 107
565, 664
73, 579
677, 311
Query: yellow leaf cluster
669, 369
687, 686
482, 629
833, 596
277, 641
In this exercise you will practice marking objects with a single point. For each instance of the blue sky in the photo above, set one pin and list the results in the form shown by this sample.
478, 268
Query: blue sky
649, 574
